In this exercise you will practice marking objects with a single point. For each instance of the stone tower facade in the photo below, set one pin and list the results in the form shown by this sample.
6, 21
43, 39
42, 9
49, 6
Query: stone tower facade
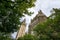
40, 17
21, 31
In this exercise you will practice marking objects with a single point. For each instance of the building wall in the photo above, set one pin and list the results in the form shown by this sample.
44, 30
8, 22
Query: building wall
40, 17
21, 31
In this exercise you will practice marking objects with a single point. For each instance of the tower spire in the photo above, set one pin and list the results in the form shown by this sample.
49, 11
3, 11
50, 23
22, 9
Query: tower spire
39, 18
21, 31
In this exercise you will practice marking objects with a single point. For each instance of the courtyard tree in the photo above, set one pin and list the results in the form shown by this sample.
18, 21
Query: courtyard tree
50, 29
28, 37
10, 13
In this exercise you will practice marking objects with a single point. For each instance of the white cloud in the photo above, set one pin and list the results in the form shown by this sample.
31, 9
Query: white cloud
46, 6
14, 34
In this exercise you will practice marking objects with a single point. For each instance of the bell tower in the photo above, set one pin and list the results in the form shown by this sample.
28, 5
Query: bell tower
39, 18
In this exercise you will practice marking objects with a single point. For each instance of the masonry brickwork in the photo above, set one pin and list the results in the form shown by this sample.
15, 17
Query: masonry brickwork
39, 18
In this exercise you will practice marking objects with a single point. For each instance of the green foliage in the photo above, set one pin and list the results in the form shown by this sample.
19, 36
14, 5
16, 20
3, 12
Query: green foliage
5, 38
11, 12
50, 29
28, 37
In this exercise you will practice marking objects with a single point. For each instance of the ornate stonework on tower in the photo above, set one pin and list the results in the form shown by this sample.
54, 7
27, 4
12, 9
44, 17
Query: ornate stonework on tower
40, 17
21, 31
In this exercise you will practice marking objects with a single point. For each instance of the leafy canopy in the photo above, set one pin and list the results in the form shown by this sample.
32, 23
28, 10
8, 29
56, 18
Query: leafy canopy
28, 37
10, 13
50, 29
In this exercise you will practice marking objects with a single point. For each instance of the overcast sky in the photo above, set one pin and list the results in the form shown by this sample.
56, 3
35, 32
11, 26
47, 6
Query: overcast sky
44, 5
